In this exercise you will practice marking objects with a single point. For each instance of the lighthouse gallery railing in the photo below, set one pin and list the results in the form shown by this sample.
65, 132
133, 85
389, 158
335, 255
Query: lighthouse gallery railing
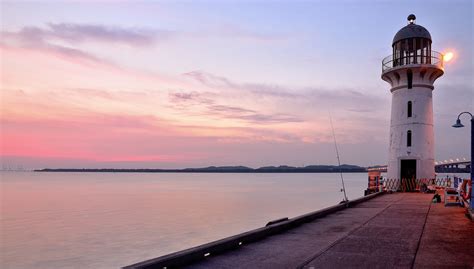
391, 61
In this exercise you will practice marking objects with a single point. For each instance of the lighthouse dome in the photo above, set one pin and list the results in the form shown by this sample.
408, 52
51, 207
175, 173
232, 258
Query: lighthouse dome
412, 30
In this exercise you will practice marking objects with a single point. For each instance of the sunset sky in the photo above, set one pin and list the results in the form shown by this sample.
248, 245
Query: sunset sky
163, 85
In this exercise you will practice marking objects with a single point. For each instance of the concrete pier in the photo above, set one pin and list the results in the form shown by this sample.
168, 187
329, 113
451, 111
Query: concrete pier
403, 230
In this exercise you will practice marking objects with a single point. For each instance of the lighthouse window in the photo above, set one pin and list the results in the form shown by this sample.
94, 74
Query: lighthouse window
409, 139
410, 78
409, 109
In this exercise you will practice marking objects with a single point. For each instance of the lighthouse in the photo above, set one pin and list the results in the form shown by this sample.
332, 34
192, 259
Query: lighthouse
411, 71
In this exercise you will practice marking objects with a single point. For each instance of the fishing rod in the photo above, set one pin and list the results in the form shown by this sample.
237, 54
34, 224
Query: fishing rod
338, 160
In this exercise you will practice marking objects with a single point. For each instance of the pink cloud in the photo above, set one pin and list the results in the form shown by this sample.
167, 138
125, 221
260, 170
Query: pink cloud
92, 137
87, 110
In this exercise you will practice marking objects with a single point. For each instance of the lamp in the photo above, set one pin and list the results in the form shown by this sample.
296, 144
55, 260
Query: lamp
458, 124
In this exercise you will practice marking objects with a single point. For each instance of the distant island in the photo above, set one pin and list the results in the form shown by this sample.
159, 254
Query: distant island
345, 168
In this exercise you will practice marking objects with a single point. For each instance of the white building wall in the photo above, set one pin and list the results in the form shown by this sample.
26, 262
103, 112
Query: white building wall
421, 126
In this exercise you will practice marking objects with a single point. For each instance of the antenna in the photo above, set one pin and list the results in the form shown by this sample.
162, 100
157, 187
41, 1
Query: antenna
338, 159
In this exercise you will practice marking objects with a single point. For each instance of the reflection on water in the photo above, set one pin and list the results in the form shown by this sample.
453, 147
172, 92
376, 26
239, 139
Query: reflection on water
108, 220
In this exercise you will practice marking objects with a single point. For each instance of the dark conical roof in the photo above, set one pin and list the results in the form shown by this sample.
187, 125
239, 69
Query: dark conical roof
411, 30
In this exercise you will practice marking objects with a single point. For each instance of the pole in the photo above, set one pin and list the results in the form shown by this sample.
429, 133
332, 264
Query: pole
472, 168
457, 125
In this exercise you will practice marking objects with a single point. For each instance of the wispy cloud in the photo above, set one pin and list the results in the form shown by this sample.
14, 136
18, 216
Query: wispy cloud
62, 39
342, 98
74, 33
187, 98
91, 32
33, 39
240, 113
213, 109
209, 79
230, 109
214, 81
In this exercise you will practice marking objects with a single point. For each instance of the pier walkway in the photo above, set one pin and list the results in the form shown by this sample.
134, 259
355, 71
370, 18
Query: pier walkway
403, 230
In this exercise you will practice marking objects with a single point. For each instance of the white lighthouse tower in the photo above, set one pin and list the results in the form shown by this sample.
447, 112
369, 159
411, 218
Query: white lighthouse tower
411, 71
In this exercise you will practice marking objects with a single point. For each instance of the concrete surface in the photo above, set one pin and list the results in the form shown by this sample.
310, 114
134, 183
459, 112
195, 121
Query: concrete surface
448, 239
402, 230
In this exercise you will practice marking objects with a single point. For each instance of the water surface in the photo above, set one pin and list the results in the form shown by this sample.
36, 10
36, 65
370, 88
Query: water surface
109, 220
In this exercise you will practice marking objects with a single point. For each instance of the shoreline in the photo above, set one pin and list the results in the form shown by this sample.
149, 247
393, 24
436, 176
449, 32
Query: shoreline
191, 171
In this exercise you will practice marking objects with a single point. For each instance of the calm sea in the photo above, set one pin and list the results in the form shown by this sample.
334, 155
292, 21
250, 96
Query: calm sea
109, 220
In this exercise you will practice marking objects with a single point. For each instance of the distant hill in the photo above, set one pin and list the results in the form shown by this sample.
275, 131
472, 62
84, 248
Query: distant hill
346, 168
311, 169
224, 169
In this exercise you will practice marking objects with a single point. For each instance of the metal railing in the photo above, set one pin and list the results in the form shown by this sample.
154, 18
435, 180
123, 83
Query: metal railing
415, 184
390, 61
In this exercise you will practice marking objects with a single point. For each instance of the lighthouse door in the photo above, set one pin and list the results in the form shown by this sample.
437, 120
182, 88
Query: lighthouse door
408, 175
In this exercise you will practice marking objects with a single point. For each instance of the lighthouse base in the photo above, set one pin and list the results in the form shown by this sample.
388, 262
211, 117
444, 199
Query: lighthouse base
408, 167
